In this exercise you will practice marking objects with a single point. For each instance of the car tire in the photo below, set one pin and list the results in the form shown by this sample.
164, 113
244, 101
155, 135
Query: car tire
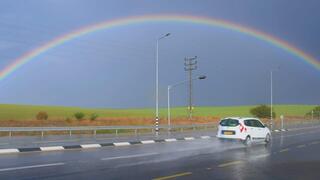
268, 138
247, 141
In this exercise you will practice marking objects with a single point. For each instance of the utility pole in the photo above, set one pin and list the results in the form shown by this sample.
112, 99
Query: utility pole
190, 64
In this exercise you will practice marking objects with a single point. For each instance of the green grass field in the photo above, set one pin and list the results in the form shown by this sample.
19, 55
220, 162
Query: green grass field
23, 112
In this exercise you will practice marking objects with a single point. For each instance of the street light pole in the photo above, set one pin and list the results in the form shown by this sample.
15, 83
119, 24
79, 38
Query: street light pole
157, 82
169, 113
169, 88
271, 98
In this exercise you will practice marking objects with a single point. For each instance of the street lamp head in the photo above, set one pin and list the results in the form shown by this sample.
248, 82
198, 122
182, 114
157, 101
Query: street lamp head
202, 77
166, 35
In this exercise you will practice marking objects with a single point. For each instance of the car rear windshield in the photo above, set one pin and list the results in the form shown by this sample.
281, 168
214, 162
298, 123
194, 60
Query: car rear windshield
229, 122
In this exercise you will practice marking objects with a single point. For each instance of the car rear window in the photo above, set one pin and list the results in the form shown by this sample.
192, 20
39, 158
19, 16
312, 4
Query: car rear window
229, 122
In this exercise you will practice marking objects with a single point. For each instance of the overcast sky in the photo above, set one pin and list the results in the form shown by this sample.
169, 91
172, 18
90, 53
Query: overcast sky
115, 68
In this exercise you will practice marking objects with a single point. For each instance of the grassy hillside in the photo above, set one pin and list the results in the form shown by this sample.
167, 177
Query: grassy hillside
28, 112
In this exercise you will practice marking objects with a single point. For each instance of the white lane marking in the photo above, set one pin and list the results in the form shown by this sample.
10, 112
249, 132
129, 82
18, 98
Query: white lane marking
129, 156
260, 156
121, 144
205, 137
189, 138
315, 142
29, 167
170, 140
284, 150
189, 149
4, 151
296, 134
301, 146
296, 129
52, 148
86, 146
230, 164
148, 142
276, 130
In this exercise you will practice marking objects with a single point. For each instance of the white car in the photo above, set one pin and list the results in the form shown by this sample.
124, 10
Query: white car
244, 129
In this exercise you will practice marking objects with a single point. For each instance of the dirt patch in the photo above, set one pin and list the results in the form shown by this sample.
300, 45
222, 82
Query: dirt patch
110, 121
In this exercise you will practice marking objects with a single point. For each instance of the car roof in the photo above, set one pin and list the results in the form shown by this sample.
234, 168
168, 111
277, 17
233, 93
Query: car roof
240, 118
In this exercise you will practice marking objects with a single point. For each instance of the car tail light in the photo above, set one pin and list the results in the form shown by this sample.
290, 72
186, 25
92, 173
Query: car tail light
242, 128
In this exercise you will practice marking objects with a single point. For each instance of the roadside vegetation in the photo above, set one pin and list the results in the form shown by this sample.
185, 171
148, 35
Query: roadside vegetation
79, 115
27, 115
314, 113
42, 115
262, 111
93, 116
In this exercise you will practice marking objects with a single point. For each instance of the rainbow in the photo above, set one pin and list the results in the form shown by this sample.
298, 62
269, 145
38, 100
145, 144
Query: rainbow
28, 56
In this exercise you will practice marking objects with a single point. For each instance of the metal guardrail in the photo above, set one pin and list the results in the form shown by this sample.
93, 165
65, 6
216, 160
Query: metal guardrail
293, 123
116, 129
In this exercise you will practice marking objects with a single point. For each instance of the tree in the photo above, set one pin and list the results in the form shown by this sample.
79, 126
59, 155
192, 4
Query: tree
42, 115
79, 115
262, 111
93, 116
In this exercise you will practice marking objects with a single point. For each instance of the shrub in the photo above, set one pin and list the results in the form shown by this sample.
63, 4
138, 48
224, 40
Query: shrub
93, 116
69, 120
262, 111
79, 115
315, 112
42, 115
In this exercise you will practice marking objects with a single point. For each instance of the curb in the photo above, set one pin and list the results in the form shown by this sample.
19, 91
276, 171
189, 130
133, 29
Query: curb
90, 146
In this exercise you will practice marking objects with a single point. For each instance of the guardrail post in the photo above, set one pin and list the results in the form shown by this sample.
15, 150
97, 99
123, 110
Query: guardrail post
181, 129
116, 132
10, 133
70, 133
41, 134
95, 132
135, 132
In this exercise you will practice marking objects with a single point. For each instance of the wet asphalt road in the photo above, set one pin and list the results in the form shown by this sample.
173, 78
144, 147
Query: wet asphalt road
291, 155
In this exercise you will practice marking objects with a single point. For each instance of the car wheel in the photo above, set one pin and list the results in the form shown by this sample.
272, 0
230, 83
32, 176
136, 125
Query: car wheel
268, 138
247, 141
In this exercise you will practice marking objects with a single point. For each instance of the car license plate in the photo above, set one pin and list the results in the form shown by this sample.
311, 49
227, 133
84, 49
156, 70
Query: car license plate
228, 132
